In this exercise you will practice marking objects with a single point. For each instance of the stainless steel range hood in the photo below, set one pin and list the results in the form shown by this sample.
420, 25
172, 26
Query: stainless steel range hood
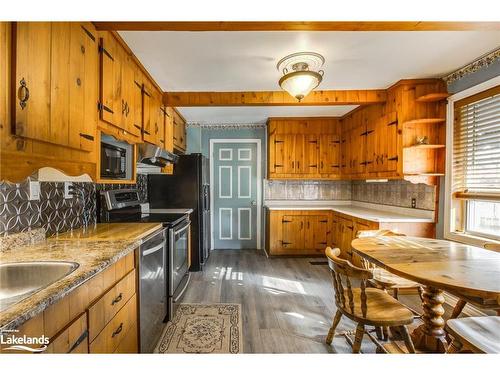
153, 155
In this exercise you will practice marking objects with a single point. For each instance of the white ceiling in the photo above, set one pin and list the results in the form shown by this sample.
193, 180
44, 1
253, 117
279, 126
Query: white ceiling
246, 61
253, 115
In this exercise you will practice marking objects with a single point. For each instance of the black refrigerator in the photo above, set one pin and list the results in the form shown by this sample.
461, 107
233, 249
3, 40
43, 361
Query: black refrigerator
187, 187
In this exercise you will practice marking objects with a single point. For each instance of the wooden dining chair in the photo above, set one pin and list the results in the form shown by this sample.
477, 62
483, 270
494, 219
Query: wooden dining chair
365, 305
474, 334
382, 278
463, 300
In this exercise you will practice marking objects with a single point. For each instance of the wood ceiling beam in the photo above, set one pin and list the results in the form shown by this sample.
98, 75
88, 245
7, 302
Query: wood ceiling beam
273, 98
298, 26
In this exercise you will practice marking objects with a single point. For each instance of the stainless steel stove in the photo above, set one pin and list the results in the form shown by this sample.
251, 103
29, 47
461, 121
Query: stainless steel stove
163, 258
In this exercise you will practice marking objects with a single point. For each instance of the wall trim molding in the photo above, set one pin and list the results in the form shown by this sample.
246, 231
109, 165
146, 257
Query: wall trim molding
225, 126
474, 66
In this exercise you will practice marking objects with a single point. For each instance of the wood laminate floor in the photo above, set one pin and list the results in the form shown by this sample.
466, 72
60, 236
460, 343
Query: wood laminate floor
287, 303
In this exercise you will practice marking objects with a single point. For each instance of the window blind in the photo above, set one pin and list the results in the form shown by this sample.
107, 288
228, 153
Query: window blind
476, 146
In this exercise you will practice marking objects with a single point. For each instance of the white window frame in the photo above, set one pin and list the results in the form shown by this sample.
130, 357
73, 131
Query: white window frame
449, 232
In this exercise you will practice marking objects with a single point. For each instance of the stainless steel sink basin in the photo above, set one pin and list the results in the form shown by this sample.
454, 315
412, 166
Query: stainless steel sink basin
21, 279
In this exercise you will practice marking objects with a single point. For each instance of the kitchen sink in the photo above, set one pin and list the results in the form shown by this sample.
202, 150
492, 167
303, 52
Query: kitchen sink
20, 280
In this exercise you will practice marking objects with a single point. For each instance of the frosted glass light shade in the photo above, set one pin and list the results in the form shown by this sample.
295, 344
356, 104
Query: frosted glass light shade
300, 84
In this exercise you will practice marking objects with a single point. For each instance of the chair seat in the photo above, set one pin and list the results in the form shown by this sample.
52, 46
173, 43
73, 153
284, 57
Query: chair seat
382, 309
386, 279
480, 334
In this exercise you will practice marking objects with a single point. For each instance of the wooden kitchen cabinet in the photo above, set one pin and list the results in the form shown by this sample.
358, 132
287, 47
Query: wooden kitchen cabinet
55, 90
99, 316
121, 93
179, 132
298, 232
303, 148
378, 141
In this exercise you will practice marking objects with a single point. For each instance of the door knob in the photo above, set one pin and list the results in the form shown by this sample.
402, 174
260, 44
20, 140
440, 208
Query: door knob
253, 203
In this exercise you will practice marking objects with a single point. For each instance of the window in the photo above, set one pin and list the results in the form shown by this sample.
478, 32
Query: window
475, 165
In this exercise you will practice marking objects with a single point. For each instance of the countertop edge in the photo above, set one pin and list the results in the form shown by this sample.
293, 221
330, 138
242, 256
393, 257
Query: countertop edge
337, 207
62, 292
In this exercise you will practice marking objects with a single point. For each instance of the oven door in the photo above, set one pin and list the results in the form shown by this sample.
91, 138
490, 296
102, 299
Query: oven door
179, 252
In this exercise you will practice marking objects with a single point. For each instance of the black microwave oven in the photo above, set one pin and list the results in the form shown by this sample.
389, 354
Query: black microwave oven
113, 161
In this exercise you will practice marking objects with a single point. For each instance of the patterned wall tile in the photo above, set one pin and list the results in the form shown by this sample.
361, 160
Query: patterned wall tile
52, 212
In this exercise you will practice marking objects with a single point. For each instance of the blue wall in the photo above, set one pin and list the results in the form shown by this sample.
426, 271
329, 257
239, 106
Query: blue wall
198, 139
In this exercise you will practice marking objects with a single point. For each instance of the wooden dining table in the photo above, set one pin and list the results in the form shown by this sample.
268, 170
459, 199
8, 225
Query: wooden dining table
439, 266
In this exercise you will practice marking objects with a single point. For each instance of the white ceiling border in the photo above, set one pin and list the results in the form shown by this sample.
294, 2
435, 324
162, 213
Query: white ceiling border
228, 126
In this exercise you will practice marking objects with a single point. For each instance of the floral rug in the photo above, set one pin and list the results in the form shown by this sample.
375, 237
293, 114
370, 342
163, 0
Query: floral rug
203, 328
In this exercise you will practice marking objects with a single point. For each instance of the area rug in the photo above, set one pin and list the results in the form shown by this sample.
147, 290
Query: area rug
203, 328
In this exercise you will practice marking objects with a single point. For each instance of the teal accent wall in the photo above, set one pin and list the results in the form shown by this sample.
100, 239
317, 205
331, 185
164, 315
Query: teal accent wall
193, 134
198, 139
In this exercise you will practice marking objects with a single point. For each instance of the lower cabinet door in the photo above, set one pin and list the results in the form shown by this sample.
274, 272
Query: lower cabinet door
129, 344
116, 330
293, 233
73, 339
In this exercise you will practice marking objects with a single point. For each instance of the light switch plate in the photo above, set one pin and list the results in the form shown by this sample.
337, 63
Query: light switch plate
34, 193
68, 194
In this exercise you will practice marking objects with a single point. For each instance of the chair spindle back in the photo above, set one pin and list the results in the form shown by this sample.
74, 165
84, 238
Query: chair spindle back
347, 297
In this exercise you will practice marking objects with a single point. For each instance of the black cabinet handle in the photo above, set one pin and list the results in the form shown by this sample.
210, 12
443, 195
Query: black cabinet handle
79, 341
118, 330
395, 158
117, 299
87, 136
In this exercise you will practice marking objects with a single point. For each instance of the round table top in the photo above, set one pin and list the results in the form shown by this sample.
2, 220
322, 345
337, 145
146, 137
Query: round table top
451, 266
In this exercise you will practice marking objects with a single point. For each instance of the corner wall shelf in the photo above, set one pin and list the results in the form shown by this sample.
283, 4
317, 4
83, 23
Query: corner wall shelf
425, 121
433, 97
424, 147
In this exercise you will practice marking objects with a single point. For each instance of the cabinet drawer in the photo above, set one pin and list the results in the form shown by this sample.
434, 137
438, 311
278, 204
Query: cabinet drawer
113, 334
129, 344
106, 307
74, 339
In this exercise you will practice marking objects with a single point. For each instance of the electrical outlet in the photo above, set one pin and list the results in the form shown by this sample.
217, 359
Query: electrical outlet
68, 193
34, 193
414, 203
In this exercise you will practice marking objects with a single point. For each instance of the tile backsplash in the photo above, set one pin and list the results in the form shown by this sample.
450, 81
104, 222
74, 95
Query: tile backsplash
52, 212
307, 190
394, 193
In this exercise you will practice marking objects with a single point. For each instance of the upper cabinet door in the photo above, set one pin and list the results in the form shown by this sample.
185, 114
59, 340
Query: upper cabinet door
31, 73
136, 103
83, 86
310, 163
330, 154
108, 82
56, 100
148, 123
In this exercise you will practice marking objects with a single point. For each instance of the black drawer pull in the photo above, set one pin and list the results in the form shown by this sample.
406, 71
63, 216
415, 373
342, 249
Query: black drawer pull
118, 330
117, 299
87, 136
395, 158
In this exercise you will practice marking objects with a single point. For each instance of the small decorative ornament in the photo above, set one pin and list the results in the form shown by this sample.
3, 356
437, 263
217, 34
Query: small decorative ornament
301, 73
422, 140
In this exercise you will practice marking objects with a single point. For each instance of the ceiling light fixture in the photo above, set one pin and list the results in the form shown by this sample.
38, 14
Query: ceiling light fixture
301, 73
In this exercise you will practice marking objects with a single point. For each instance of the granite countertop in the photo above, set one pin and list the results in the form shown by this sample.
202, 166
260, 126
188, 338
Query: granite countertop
111, 232
368, 211
94, 251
